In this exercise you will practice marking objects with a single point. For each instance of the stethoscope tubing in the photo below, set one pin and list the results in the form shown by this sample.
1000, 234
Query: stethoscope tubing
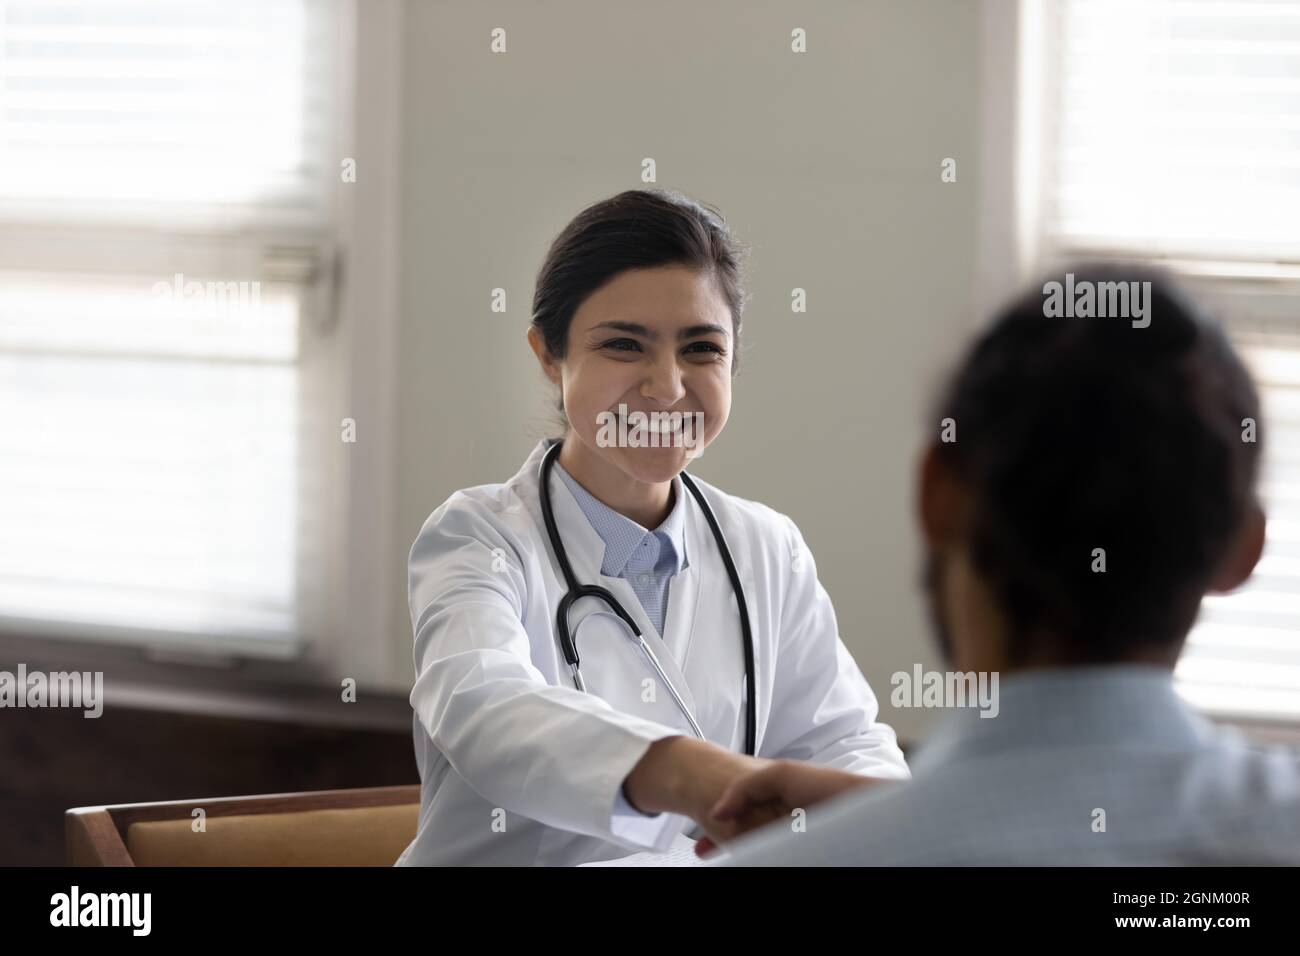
577, 591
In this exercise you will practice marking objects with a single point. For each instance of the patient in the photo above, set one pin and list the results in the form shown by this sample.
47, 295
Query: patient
1099, 485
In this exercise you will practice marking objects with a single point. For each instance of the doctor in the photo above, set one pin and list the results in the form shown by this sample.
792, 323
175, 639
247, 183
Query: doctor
637, 310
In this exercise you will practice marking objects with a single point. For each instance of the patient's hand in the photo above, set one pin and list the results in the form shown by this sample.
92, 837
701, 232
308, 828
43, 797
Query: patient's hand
772, 793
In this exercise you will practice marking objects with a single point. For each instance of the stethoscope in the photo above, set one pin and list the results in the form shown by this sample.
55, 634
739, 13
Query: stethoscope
577, 591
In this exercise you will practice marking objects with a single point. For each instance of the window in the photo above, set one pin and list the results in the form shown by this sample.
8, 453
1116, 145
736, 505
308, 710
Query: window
165, 260
1171, 132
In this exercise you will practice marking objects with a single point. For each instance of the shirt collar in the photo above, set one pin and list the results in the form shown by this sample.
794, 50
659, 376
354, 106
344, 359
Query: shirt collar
1116, 705
622, 536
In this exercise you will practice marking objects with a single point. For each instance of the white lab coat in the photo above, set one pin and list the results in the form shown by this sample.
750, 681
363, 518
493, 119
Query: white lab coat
519, 767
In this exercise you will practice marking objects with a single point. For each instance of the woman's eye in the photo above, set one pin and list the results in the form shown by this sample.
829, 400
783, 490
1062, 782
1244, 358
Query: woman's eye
632, 345
622, 345
706, 347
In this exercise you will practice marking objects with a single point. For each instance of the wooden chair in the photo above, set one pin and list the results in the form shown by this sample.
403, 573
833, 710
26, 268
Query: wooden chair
367, 827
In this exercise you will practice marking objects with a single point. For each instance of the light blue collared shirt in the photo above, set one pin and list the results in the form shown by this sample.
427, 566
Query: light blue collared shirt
647, 560
1089, 765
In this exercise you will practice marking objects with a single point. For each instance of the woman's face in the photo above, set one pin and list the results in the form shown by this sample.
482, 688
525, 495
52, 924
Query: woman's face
653, 340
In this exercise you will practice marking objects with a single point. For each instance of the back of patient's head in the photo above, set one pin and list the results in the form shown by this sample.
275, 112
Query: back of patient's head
1079, 434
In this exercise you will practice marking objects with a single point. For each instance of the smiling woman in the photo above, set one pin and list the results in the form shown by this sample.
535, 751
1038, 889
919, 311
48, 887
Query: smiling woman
601, 656
675, 358
639, 303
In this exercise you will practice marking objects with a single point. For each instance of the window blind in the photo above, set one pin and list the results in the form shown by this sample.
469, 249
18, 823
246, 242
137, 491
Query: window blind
1175, 127
163, 208
1172, 133
149, 111
1243, 656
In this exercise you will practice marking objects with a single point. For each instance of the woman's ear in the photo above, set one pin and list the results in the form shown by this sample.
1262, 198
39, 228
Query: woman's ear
544, 357
1243, 553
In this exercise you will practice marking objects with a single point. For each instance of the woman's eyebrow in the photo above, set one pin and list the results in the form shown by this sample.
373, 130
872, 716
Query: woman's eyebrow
636, 328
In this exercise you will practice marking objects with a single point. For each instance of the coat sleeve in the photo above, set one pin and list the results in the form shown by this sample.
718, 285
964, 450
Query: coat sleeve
823, 709
551, 753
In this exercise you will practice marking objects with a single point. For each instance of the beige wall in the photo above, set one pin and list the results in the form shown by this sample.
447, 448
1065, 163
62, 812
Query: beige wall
827, 163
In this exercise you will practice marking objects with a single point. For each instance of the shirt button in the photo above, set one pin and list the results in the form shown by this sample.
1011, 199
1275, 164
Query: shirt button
644, 579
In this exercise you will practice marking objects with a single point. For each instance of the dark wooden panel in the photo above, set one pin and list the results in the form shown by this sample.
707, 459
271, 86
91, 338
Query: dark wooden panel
54, 759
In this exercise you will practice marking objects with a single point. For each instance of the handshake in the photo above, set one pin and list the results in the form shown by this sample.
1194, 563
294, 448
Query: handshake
729, 794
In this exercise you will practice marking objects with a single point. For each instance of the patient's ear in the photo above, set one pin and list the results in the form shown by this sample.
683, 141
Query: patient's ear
1243, 554
941, 498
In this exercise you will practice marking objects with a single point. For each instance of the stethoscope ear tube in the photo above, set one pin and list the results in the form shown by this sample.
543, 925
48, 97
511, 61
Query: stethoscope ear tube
577, 591
747, 635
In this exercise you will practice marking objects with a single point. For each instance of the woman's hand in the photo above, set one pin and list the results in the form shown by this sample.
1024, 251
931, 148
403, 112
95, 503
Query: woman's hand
771, 793
688, 776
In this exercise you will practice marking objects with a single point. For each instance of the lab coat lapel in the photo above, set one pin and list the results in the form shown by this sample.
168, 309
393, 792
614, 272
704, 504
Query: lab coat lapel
582, 543
586, 551
679, 615
717, 659
684, 591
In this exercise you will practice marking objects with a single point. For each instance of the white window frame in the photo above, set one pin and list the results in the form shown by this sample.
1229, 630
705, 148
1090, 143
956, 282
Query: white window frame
353, 296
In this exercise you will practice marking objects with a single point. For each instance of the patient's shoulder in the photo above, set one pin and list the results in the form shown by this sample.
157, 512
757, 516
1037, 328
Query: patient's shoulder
1235, 772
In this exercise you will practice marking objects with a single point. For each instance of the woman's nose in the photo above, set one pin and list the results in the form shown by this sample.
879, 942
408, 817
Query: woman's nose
663, 383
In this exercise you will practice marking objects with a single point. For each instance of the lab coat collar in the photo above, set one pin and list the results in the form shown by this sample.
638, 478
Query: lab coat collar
581, 539
622, 535
582, 543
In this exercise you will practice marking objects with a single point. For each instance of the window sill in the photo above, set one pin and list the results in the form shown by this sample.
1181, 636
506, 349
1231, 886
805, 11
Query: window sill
297, 692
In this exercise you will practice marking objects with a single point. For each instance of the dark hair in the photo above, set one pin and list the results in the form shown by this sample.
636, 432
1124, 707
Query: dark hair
1083, 433
637, 229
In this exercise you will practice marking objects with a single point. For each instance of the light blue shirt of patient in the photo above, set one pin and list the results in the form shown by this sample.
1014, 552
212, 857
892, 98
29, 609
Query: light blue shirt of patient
1082, 766
647, 560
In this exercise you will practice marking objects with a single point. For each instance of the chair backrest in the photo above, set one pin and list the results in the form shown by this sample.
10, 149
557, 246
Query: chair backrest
368, 827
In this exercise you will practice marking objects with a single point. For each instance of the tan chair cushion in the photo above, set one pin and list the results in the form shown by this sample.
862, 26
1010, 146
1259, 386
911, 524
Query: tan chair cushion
362, 836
